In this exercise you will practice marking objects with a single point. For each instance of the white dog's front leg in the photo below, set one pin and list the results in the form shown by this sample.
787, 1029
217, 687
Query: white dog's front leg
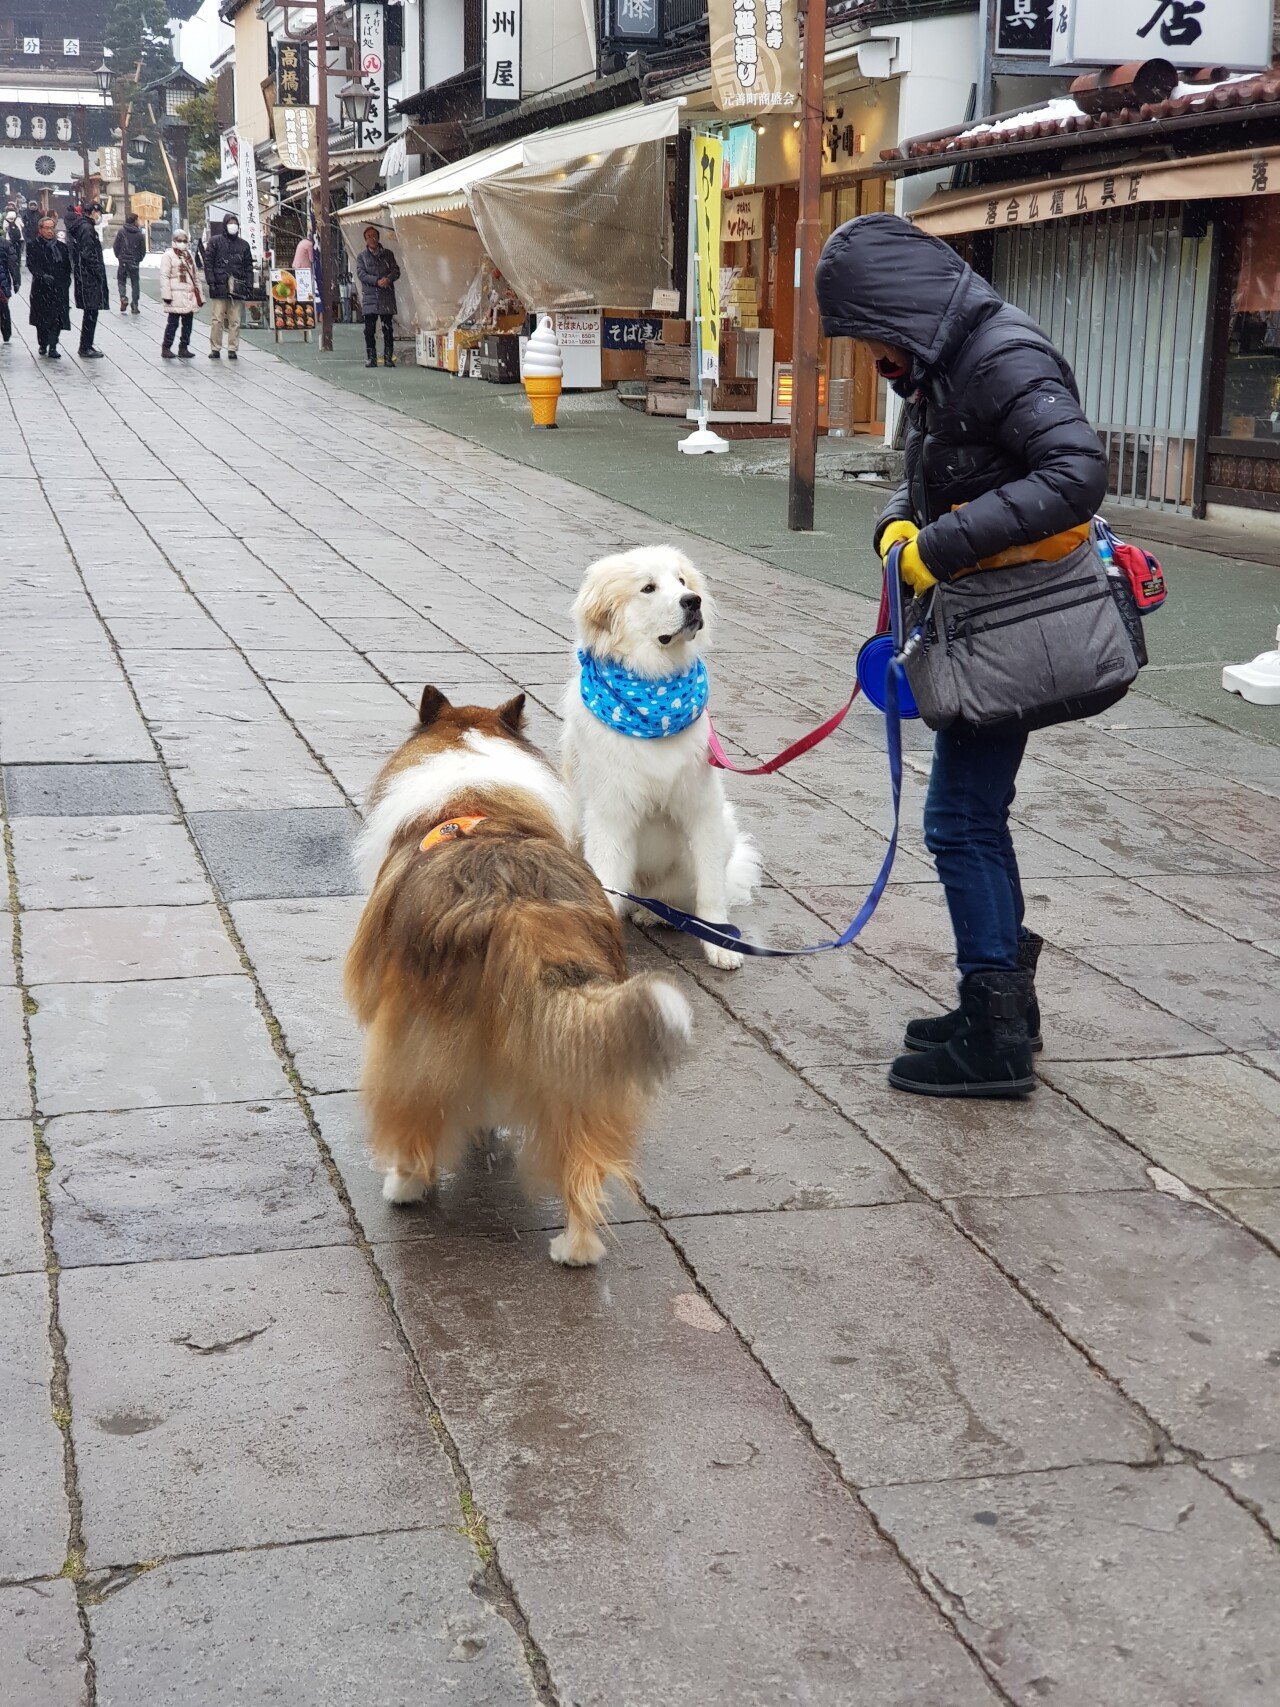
709, 849
611, 857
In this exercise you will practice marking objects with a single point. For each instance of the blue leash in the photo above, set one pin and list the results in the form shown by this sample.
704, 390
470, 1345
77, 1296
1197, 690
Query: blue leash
729, 936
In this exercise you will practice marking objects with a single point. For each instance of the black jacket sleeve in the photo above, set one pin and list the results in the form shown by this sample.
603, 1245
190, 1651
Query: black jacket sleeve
1026, 408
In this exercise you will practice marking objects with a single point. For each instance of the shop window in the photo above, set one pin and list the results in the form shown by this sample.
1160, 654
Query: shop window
1251, 374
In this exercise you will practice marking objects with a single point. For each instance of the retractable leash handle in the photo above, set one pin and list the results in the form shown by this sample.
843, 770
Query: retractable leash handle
729, 936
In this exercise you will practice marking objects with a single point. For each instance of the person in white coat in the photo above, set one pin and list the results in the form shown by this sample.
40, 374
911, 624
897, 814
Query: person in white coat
180, 293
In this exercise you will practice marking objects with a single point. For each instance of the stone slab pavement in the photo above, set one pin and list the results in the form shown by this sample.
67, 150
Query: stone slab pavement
872, 1402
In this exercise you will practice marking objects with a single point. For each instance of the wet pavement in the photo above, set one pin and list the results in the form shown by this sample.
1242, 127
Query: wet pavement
873, 1403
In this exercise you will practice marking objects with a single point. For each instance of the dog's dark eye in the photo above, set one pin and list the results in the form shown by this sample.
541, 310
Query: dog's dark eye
683, 582
650, 587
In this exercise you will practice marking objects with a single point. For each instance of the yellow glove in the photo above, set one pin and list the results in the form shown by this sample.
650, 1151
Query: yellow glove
911, 565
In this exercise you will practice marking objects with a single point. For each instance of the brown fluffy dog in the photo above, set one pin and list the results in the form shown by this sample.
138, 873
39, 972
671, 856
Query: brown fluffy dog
489, 972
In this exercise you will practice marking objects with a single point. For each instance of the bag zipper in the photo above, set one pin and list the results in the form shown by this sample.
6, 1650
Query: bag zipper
1008, 621
1021, 598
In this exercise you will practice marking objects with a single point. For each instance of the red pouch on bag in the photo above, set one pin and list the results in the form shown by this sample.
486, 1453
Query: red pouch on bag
1143, 573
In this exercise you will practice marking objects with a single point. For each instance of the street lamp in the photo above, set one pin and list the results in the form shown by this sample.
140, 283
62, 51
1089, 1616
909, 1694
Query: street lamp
102, 77
355, 100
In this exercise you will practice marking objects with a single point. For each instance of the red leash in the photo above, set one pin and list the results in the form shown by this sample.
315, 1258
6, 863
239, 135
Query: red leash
720, 760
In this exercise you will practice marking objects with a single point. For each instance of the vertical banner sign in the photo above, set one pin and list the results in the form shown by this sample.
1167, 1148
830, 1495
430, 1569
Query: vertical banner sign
250, 208
371, 53
501, 52
1023, 26
1191, 33
293, 74
295, 134
708, 177
755, 56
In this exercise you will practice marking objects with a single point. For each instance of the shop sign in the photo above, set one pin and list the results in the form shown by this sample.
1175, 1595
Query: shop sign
631, 331
578, 331
502, 52
289, 311
147, 205
293, 74
744, 219
1234, 33
227, 149
1023, 26
755, 55
708, 178
1249, 173
295, 134
633, 20
250, 208
371, 51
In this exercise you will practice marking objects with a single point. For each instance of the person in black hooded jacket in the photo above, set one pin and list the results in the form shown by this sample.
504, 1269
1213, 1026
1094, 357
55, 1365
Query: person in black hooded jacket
1001, 467
89, 269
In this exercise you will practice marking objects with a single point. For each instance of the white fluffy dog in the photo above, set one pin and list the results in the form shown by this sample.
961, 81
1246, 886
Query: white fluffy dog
651, 809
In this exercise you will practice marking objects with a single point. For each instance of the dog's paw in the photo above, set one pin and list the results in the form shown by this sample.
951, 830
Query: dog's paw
727, 959
577, 1248
399, 1187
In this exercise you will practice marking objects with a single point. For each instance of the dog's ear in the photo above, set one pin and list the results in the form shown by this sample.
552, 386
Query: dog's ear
596, 606
431, 705
511, 715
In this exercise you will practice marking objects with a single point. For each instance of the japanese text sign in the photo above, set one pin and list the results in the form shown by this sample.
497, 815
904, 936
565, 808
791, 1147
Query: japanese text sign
1234, 33
755, 56
372, 56
1024, 26
501, 51
293, 74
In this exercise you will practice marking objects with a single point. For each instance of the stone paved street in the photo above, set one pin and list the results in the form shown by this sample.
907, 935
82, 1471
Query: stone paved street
873, 1403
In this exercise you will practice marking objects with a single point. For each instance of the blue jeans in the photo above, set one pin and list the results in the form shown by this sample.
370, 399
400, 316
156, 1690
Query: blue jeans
966, 829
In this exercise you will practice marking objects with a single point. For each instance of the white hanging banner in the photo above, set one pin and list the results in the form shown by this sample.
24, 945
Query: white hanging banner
502, 52
1232, 33
372, 55
250, 207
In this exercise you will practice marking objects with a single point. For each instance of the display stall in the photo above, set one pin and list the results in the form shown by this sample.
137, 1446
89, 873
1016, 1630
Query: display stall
570, 221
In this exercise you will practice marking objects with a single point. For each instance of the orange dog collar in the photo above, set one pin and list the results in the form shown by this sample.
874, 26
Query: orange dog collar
449, 831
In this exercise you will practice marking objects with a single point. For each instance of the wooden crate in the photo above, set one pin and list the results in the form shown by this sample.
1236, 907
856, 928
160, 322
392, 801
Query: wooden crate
667, 361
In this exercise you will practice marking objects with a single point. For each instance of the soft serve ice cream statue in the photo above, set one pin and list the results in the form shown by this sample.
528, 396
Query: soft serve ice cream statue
543, 372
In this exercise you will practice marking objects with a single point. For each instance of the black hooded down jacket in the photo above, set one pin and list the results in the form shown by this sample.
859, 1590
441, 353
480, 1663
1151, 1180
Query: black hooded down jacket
994, 417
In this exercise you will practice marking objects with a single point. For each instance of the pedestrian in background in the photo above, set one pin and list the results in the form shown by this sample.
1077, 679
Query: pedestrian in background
89, 266
377, 271
228, 269
8, 284
49, 265
180, 293
129, 248
12, 234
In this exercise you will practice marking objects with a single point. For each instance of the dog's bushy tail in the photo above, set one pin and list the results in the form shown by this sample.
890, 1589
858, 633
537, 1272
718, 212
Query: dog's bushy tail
624, 1036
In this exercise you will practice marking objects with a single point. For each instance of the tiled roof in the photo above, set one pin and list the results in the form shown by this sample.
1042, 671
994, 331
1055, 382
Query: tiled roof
1064, 118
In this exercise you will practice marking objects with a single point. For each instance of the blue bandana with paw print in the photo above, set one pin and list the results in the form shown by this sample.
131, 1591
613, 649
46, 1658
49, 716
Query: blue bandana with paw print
642, 706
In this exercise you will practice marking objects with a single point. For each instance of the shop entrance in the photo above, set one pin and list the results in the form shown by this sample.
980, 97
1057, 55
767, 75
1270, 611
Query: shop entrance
854, 393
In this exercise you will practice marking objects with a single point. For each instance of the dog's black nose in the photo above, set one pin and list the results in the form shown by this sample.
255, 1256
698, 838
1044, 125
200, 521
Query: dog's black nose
691, 602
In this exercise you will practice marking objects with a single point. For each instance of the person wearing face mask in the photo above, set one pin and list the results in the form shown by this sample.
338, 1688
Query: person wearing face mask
1001, 470
228, 268
89, 269
129, 248
180, 293
49, 264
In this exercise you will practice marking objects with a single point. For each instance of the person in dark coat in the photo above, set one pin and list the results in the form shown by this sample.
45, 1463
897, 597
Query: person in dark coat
377, 271
129, 249
1001, 468
89, 265
229, 273
8, 284
49, 265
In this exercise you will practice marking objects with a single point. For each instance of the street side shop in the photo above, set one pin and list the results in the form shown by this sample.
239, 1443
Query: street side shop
1148, 247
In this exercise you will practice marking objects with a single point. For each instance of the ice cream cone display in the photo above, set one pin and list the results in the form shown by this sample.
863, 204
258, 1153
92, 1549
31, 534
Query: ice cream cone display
543, 373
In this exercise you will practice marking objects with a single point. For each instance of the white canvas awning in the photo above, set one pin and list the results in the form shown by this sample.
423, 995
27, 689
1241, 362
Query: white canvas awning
445, 190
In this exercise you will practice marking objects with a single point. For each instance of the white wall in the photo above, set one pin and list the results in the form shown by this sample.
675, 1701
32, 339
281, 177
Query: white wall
939, 59
558, 43
442, 22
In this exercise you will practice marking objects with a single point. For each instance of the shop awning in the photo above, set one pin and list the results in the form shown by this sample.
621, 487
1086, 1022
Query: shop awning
445, 190
997, 207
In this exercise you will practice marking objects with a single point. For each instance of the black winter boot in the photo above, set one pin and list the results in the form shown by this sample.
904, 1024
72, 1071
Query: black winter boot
941, 1028
990, 1053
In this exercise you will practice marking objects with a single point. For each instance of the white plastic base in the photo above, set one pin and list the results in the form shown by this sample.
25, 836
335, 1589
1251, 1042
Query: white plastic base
1258, 682
703, 442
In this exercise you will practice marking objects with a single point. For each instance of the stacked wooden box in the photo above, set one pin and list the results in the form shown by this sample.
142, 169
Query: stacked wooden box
666, 370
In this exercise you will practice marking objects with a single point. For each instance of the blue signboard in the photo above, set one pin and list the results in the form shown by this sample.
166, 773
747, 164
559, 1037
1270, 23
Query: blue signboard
630, 331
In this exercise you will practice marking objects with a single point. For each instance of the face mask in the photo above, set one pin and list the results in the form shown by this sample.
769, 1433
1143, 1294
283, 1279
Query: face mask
233, 230
179, 242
